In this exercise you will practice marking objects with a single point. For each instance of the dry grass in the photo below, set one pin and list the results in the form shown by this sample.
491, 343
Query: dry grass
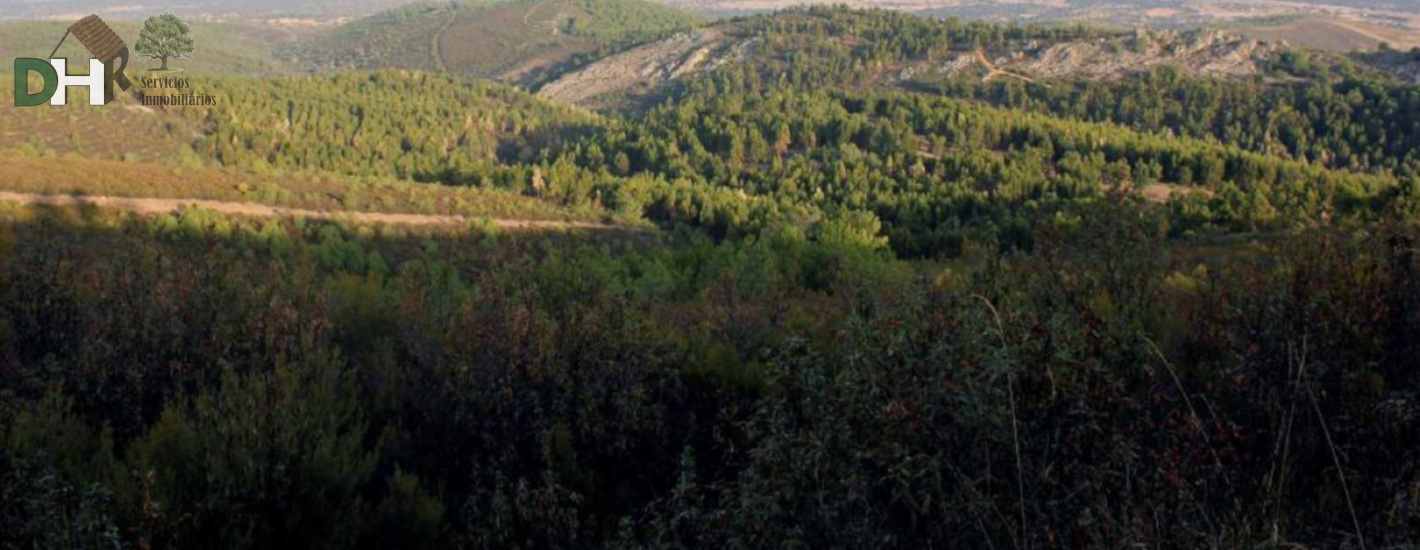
122, 129
1160, 193
1335, 34
518, 38
63, 175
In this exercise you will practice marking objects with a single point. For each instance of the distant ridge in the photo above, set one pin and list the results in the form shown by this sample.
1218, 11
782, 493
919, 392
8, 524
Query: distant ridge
522, 41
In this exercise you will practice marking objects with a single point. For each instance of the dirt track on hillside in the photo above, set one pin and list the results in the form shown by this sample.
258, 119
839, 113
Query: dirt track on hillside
438, 45
168, 206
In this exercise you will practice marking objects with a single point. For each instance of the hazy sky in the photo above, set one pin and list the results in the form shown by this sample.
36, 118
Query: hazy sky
328, 9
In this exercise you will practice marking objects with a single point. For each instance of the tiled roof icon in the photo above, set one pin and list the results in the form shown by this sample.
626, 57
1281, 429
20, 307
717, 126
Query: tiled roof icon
95, 35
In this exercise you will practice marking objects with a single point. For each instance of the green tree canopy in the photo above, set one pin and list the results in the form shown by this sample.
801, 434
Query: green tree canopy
164, 37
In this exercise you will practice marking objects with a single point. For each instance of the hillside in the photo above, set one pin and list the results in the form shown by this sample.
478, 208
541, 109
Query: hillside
644, 68
124, 129
1205, 53
517, 41
812, 37
1403, 65
875, 281
358, 122
409, 125
222, 48
155, 187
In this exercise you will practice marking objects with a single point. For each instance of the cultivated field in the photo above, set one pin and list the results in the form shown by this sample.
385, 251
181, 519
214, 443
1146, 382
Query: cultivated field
1334, 34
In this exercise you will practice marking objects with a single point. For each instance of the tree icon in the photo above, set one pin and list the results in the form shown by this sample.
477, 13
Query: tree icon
164, 37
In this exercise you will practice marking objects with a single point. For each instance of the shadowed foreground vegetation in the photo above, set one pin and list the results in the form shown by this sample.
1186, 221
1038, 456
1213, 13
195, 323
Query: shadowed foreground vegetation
195, 381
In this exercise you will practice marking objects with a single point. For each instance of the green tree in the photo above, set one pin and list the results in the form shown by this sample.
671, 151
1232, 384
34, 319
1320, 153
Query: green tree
164, 36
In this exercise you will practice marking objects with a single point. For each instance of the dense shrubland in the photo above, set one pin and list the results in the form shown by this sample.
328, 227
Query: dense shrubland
199, 381
872, 318
927, 173
407, 125
1351, 121
618, 22
937, 171
806, 133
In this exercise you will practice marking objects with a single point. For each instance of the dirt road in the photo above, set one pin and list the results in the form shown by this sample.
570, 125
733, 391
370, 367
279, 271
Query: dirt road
167, 206
993, 70
438, 45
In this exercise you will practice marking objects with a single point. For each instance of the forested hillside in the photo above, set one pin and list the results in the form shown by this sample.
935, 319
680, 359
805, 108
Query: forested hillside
512, 40
409, 125
851, 304
928, 173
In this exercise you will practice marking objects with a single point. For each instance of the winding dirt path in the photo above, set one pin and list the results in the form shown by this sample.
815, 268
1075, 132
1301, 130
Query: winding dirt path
993, 70
438, 45
256, 210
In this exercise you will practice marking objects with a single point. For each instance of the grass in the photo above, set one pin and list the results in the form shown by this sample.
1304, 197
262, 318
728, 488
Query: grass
1329, 34
130, 150
71, 175
1264, 21
121, 129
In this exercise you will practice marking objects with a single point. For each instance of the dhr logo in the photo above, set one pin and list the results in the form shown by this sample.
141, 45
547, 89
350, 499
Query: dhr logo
105, 68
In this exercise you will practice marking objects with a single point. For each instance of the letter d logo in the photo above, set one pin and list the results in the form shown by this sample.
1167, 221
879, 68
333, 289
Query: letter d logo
23, 68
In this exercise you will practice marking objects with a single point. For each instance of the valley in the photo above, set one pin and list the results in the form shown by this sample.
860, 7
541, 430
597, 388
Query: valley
614, 274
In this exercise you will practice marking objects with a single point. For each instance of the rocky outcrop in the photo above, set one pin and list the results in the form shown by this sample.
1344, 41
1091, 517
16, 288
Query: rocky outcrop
1409, 72
1204, 53
681, 55
1401, 65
